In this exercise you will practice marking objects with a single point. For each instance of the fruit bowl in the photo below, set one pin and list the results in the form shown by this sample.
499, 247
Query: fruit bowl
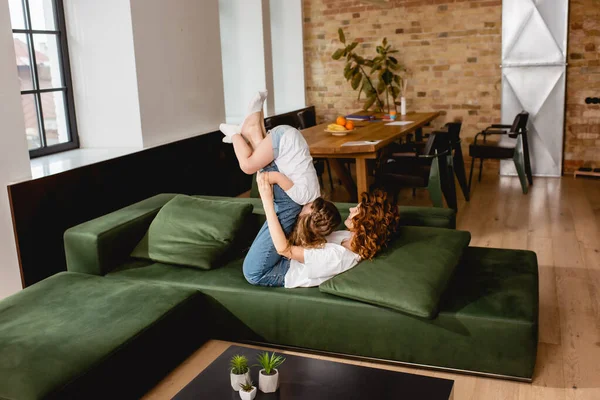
338, 133
341, 127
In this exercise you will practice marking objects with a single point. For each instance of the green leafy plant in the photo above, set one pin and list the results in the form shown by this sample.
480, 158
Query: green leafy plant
383, 74
269, 363
248, 386
238, 365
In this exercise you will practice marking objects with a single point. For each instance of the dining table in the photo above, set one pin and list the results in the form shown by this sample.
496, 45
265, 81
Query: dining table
361, 144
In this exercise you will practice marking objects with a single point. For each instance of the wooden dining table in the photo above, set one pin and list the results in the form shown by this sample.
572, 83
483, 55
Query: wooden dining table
373, 136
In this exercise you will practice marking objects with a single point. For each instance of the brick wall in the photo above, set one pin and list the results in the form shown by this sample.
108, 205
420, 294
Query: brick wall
453, 49
582, 142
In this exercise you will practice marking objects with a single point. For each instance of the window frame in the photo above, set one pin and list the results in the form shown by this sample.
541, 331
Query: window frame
60, 32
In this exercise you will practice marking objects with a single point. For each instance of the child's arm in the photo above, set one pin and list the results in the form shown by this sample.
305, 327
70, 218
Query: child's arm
277, 235
277, 178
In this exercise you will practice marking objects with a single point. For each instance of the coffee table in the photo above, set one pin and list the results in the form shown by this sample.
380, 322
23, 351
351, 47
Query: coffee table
313, 379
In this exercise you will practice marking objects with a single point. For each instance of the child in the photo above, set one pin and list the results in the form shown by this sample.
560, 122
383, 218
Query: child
284, 158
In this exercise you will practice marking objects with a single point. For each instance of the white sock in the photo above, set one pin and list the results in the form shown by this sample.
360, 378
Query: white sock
229, 130
256, 104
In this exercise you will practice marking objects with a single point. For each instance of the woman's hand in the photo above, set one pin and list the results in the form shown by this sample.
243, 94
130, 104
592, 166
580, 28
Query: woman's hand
264, 187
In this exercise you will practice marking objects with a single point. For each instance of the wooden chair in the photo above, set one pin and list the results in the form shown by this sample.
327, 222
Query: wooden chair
518, 151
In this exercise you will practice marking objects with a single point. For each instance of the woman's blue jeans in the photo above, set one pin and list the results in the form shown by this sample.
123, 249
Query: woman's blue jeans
262, 265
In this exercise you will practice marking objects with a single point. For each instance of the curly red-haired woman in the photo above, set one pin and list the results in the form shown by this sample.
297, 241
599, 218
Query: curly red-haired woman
308, 262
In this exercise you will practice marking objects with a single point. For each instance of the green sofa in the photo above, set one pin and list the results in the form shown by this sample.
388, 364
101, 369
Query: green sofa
487, 321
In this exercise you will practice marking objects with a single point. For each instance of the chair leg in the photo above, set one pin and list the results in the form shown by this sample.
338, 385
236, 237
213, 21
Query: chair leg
520, 166
459, 170
471, 174
414, 192
480, 168
528, 167
447, 183
434, 187
329, 173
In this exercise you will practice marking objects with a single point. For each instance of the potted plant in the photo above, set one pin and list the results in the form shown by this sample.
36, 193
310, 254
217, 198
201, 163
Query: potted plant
239, 371
247, 390
384, 77
268, 377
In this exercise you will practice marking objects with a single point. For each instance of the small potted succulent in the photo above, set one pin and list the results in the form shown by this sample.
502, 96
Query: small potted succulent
268, 377
239, 371
247, 390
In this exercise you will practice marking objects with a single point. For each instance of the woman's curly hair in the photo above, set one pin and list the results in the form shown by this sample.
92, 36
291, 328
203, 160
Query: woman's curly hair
311, 229
377, 220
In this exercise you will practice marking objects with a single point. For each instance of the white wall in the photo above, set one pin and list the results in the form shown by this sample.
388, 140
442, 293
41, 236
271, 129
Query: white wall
288, 55
14, 156
179, 72
104, 76
243, 52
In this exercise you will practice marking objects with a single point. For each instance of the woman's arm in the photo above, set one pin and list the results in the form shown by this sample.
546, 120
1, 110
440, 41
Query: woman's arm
277, 234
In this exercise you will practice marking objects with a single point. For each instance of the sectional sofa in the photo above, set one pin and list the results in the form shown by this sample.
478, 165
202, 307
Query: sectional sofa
113, 325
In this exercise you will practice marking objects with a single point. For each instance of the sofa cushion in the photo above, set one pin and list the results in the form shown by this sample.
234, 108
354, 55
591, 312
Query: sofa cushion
77, 336
409, 276
193, 232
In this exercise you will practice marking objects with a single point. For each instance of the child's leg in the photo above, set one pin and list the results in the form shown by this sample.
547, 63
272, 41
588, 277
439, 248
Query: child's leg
253, 128
263, 266
253, 161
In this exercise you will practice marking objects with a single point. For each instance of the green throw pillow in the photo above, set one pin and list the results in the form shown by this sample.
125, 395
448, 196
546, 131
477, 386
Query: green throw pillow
410, 275
193, 232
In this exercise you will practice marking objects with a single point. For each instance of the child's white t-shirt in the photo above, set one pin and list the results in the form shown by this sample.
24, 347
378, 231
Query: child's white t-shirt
322, 264
295, 162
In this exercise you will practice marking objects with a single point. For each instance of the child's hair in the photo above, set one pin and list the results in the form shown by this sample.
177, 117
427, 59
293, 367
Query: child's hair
311, 229
377, 220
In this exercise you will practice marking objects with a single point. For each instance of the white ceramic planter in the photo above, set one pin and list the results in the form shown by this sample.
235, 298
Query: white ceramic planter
268, 383
236, 380
248, 395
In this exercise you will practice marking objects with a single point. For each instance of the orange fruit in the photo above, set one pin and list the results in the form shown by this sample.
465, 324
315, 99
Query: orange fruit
349, 125
341, 121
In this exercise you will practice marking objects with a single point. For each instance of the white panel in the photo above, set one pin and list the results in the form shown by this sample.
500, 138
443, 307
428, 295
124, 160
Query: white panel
515, 14
535, 44
555, 14
14, 157
179, 71
243, 54
533, 78
103, 73
288, 55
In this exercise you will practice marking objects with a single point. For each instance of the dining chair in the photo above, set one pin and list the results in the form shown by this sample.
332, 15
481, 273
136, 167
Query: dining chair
518, 150
430, 169
308, 118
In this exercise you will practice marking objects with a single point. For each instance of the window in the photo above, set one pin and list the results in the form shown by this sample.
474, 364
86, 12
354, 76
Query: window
43, 68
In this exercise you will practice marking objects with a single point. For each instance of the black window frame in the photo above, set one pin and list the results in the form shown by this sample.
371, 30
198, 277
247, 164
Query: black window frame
60, 32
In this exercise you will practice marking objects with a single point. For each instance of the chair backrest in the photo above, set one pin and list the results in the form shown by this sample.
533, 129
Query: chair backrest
519, 125
437, 141
307, 118
454, 131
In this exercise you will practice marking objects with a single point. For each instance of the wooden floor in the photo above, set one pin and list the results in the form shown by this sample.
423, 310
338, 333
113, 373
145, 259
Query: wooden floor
560, 220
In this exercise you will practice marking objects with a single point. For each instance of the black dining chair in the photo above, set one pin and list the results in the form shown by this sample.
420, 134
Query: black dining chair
430, 169
308, 118
518, 150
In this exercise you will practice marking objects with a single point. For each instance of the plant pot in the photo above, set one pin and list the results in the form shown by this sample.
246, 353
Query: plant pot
268, 383
248, 395
236, 380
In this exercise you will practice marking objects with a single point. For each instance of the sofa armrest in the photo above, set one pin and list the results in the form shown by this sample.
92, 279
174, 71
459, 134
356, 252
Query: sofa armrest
96, 247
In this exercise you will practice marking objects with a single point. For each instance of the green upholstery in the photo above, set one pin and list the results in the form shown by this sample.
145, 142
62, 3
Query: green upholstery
100, 245
193, 232
410, 275
86, 337
487, 320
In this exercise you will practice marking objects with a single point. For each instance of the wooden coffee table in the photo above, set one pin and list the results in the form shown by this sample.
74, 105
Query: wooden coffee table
316, 379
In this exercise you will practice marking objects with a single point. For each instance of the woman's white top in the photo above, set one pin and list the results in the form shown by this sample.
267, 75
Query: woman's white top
322, 264
295, 162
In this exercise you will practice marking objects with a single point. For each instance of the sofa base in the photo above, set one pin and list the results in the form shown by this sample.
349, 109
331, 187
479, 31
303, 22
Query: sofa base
390, 362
